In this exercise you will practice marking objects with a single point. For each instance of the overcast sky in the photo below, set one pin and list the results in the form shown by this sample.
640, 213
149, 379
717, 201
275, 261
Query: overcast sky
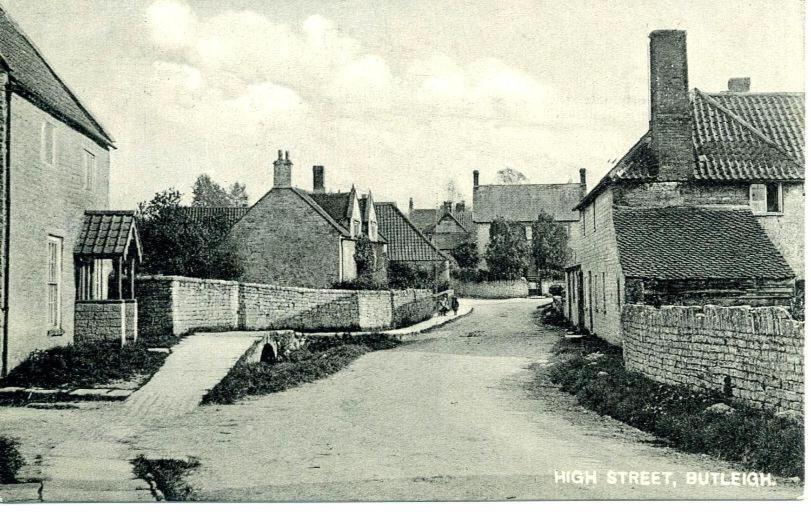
399, 97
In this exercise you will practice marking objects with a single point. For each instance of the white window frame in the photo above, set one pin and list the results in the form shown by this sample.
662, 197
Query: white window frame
53, 285
528, 232
90, 170
760, 206
47, 126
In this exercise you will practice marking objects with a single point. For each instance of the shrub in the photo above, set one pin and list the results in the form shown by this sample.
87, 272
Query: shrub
82, 365
10, 460
402, 276
466, 254
361, 283
507, 253
168, 475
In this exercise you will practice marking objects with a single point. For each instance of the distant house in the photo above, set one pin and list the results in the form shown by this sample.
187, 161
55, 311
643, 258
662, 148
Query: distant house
447, 227
520, 204
56, 168
291, 237
707, 207
408, 246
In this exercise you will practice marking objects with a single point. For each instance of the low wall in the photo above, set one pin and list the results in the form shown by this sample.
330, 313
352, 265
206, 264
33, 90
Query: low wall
754, 353
105, 321
177, 305
491, 289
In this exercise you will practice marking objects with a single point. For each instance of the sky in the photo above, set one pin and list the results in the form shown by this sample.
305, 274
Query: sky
398, 97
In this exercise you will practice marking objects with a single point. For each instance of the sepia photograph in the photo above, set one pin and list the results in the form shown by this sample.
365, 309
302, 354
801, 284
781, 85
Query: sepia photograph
401, 252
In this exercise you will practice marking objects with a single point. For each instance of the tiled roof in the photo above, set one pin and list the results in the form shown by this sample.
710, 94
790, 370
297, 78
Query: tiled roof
736, 137
465, 218
34, 78
307, 197
424, 218
523, 202
107, 234
199, 213
406, 243
695, 243
336, 204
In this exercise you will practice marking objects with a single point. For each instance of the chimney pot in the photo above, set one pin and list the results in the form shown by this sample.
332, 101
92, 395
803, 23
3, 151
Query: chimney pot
460, 206
583, 176
740, 84
318, 179
282, 172
475, 179
410, 204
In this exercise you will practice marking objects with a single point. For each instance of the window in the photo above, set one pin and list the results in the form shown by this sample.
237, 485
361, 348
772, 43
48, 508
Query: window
583, 222
594, 216
528, 233
48, 149
54, 282
89, 170
766, 197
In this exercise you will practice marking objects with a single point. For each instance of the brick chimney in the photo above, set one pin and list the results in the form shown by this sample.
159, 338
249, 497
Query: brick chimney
583, 172
447, 207
460, 207
739, 84
475, 179
670, 115
282, 171
318, 179
410, 206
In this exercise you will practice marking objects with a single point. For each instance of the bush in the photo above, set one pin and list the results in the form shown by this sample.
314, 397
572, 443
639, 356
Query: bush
403, 275
168, 475
466, 254
470, 275
10, 460
754, 438
507, 253
83, 365
361, 283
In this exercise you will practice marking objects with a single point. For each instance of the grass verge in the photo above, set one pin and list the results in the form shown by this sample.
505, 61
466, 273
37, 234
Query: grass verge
167, 474
10, 460
83, 365
755, 439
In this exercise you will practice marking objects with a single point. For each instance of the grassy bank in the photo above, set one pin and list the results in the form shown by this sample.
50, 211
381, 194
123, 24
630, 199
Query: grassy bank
755, 439
322, 357
167, 475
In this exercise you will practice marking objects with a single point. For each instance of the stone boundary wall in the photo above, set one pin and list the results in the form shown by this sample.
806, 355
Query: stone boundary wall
178, 305
756, 353
106, 321
492, 289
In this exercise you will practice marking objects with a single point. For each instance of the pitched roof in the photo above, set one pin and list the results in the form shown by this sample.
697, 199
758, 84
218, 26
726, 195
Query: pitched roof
318, 209
107, 234
523, 202
424, 218
34, 78
337, 204
736, 137
695, 243
406, 242
200, 213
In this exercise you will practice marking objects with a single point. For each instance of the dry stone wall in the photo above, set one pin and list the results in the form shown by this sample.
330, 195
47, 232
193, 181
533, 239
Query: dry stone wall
106, 321
492, 289
754, 353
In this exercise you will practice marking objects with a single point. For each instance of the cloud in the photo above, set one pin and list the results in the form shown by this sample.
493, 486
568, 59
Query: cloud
172, 24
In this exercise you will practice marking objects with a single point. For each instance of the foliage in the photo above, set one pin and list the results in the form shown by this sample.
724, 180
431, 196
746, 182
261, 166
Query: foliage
466, 254
752, 437
550, 249
168, 475
507, 253
361, 283
259, 378
176, 245
797, 304
10, 460
509, 175
83, 365
206, 192
365, 257
470, 275
402, 275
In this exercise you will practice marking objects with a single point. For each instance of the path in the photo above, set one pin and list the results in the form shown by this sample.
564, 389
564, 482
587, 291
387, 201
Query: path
449, 417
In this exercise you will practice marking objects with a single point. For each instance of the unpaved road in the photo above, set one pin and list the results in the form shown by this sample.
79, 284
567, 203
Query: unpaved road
448, 417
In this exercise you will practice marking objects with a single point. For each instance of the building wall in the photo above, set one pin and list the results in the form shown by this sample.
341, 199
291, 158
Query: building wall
756, 352
787, 231
283, 241
603, 282
491, 289
45, 200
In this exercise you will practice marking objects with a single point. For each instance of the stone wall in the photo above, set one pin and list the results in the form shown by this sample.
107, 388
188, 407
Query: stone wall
756, 353
178, 305
491, 289
106, 321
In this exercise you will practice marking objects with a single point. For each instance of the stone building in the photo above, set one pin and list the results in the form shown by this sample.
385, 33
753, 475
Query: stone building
706, 208
55, 167
447, 227
409, 246
291, 237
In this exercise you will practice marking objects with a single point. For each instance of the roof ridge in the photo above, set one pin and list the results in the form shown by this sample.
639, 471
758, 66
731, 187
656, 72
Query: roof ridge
415, 228
70, 92
735, 117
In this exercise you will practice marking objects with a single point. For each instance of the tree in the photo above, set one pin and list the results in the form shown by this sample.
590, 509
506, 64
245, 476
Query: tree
207, 192
507, 253
466, 254
550, 245
509, 175
365, 258
174, 244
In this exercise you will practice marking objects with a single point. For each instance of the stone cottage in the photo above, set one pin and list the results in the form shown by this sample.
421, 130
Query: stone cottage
446, 227
55, 167
706, 208
291, 237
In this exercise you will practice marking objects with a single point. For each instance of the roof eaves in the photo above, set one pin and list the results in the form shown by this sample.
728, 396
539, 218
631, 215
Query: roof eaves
315, 206
405, 218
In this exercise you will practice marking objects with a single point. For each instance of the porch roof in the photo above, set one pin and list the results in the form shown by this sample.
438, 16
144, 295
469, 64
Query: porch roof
108, 234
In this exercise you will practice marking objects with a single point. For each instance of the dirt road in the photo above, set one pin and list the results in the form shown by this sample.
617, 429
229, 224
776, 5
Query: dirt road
448, 417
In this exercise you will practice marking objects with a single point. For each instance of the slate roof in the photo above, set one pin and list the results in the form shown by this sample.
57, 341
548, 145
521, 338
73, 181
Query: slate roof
337, 204
107, 234
32, 77
200, 213
695, 243
523, 202
736, 137
424, 218
406, 242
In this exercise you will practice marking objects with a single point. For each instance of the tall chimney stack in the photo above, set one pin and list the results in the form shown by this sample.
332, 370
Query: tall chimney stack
410, 206
670, 116
740, 84
475, 179
282, 171
583, 176
318, 179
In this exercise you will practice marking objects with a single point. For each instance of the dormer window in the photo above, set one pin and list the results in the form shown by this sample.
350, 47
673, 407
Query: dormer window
766, 198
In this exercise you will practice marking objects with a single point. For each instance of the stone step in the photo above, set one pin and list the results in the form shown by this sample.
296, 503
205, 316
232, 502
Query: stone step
19, 493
